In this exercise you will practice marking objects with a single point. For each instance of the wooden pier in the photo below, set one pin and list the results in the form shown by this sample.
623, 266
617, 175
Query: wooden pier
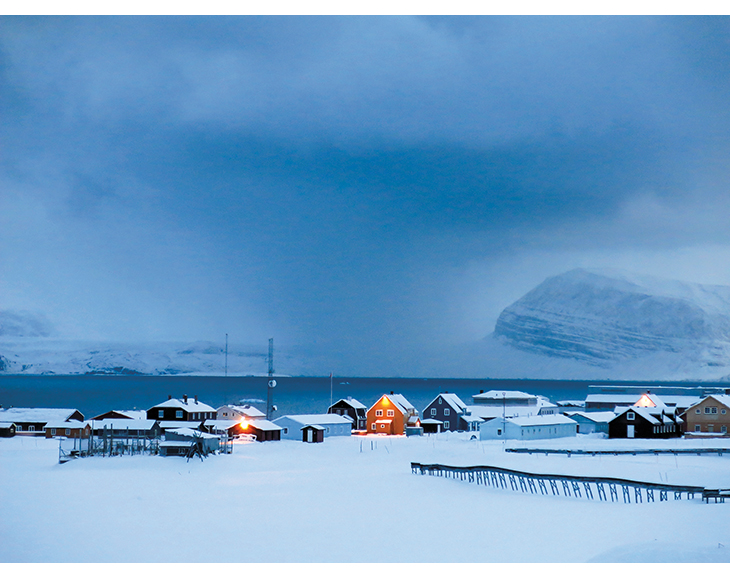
605, 489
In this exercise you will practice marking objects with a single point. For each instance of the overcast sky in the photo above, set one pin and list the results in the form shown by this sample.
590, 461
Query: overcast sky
382, 185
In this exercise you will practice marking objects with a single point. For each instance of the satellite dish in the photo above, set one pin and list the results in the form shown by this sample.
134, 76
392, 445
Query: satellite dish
274, 408
272, 383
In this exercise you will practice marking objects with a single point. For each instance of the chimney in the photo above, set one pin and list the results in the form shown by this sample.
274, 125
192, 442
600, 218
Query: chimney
169, 396
391, 393
185, 398
196, 399
481, 391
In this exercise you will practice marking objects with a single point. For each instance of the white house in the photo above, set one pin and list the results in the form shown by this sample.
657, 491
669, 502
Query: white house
591, 421
238, 412
333, 424
528, 428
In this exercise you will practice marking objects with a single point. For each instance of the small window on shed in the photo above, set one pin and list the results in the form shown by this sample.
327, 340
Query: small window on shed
630, 415
31, 428
372, 427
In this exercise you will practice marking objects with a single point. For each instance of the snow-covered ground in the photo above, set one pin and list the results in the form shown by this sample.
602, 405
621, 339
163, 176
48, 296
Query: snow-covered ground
349, 500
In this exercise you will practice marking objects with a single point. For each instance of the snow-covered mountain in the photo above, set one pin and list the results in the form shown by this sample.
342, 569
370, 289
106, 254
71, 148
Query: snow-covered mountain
614, 320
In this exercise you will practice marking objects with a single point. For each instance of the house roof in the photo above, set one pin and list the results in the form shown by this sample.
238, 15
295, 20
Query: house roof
650, 414
546, 420
35, 414
264, 425
189, 405
722, 398
121, 423
313, 426
491, 411
247, 410
453, 400
594, 416
317, 419
60, 424
431, 421
352, 403
124, 413
6, 424
188, 432
399, 402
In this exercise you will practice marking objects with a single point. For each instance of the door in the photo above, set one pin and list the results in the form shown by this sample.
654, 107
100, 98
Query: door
309, 435
629, 431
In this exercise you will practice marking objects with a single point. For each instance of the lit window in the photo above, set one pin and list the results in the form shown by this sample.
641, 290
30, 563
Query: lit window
447, 411
630, 415
433, 411
391, 413
378, 413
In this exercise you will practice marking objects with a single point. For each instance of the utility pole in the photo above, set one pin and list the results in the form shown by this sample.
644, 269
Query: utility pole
272, 382
226, 355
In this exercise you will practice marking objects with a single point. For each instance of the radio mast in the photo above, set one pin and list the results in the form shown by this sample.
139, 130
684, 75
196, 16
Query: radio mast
272, 382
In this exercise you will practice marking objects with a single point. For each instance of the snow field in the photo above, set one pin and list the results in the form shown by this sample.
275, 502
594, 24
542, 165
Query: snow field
331, 502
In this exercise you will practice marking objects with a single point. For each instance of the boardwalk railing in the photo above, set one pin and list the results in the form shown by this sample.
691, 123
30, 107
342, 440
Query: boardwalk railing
577, 486
684, 451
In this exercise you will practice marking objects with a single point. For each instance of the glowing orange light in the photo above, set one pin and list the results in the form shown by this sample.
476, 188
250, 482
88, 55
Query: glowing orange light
386, 401
244, 424
645, 401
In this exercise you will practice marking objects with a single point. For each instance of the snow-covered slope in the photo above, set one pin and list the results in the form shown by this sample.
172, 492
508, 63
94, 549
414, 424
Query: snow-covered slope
609, 319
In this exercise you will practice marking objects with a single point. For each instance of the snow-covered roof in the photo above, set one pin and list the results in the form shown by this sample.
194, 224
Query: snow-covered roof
265, 425
383, 421
399, 400
221, 423
631, 398
6, 424
571, 403
121, 423
128, 413
490, 411
454, 401
539, 420
35, 414
595, 416
179, 423
313, 426
722, 398
352, 403
188, 432
247, 410
651, 415
500, 394
189, 405
431, 421
61, 424
317, 418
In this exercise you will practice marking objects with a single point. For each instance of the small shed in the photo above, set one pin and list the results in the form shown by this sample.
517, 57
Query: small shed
7, 429
312, 433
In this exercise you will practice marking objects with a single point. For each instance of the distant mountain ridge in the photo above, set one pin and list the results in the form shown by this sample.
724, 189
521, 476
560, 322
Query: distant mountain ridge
601, 317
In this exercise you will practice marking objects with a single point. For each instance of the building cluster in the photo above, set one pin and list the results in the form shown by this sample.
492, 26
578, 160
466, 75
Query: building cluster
494, 414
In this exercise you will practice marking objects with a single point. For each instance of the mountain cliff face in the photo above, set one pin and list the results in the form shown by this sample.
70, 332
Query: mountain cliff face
603, 317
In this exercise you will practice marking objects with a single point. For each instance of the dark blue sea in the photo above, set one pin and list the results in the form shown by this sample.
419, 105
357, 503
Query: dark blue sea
96, 394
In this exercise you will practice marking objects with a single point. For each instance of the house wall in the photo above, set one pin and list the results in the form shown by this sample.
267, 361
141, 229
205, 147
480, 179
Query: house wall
398, 426
454, 423
489, 430
617, 428
707, 421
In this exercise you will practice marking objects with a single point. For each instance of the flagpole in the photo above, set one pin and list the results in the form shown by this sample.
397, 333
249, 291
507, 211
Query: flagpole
330, 389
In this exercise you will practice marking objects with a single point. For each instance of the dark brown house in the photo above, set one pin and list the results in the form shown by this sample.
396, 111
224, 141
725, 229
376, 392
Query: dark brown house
33, 420
354, 410
184, 409
313, 434
647, 418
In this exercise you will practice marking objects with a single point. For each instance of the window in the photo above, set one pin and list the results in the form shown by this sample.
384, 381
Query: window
440, 400
378, 413
286, 430
372, 427
499, 432
722, 411
433, 411
630, 415
160, 413
68, 432
391, 413
53, 431
710, 428
707, 410
714, 410
18, 428
178, 414
697, 410
446, 425
723, 429
447, 411
382, 426
31, 428
224, 414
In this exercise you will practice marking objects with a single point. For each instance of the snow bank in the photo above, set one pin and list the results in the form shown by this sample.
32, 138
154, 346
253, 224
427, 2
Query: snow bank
350, 499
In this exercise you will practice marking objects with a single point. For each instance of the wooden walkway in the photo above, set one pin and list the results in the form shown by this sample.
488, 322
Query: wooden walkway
613, 489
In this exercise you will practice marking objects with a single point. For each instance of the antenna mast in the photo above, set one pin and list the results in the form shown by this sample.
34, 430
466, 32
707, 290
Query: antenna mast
226, 355
272, 382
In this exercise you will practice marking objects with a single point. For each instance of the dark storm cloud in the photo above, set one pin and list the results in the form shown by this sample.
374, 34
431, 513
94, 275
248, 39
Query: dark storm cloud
316, 177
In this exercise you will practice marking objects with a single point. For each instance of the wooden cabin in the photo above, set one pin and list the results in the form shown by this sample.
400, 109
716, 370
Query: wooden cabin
67, 429
32, 420
184, 409
710, 417
649, 417
313, 434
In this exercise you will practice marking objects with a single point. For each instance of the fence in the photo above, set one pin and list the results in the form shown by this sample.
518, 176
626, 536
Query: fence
682, 451
575, 486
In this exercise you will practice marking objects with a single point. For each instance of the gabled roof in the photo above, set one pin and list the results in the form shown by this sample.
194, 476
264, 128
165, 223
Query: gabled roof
247, 410
192, 433
313, 426
35, 414
264, 425
453, 400
546, 420
399, 402
60, 424
122, 414
722, 398
353, 403
317, 419
190, 406
653, 417
121, 423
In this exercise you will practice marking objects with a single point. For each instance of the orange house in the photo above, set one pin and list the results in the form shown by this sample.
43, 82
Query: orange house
391, 414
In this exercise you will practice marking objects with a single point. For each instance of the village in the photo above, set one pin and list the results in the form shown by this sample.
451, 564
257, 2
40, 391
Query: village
187, 426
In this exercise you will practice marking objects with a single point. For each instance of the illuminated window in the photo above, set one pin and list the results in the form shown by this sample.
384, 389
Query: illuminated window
378, 413
630, 415
433, 411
